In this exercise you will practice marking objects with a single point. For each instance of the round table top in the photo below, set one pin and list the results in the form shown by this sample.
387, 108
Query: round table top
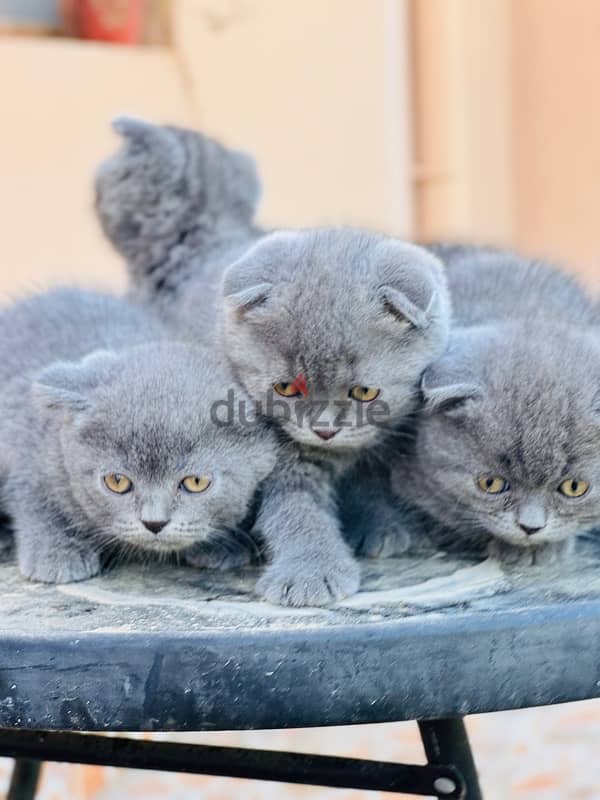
148, 647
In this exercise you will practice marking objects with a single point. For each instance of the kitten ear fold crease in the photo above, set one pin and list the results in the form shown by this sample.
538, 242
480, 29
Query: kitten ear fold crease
54, 397
449, 399
66, 385
248, 299
404, 310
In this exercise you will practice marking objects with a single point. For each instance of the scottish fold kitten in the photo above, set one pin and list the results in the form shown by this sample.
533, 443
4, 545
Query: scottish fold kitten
118, 447
507, 448
328, 331
510, 412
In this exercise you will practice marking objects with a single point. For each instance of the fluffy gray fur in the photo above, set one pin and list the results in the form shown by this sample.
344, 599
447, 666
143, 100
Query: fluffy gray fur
176, 204
519, 401
488, 284
342, 307
515, 396
88, 389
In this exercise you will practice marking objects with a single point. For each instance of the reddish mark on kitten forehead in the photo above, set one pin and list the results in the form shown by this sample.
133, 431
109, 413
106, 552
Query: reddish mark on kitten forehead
299, 385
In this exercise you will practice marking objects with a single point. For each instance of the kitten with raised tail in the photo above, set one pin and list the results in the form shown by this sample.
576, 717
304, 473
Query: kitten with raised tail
109, 438
328, 330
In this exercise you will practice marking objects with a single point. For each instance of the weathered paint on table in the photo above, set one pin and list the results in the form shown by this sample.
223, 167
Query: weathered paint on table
148, 647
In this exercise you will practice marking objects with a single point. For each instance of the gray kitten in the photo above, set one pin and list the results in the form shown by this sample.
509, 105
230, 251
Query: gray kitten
327, 330
117, 447
513, 400
507, 447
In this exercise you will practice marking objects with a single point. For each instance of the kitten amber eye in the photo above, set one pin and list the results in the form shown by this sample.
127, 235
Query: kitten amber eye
119, 484
286, 389
364, 394
194, 484
573, 488
492, 485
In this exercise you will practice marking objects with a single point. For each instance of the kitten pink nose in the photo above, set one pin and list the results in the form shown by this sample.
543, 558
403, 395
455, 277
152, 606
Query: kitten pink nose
326, 434
154, 526
528, 530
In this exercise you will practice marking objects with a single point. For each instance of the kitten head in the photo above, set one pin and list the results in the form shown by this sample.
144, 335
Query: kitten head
138, 452
509, 442
330, 331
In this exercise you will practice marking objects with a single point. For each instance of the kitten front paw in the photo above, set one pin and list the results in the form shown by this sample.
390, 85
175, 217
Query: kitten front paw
69, 568
232, 555
292, 582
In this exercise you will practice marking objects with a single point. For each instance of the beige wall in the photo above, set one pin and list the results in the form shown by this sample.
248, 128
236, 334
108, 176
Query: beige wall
557, 129
57, 102
508, 128
438, 118
319, 92
463, 144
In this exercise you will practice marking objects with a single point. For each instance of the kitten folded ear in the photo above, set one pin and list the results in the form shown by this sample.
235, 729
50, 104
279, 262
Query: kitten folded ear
247, 299
399, 306
248, 282
450, 399
67, 385
455, 381
412, 283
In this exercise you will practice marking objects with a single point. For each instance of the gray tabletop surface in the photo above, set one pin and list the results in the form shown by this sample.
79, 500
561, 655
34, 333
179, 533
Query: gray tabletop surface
161, 647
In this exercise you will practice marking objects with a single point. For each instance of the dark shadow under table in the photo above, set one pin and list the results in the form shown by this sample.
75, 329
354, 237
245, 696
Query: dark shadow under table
149, 648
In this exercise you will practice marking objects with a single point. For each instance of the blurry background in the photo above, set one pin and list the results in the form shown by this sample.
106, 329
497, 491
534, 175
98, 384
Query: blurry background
460, 119
470, 119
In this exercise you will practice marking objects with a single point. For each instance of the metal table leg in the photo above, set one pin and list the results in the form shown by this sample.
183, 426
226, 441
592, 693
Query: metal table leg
24, 779
446, 742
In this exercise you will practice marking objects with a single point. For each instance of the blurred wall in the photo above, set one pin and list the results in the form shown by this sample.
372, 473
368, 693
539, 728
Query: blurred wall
463, 148
556, 129
460, 119
507, 141
319, 92
58, 98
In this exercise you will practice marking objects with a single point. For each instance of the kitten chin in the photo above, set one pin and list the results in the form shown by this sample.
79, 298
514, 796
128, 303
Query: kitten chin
345, 441
167, 542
